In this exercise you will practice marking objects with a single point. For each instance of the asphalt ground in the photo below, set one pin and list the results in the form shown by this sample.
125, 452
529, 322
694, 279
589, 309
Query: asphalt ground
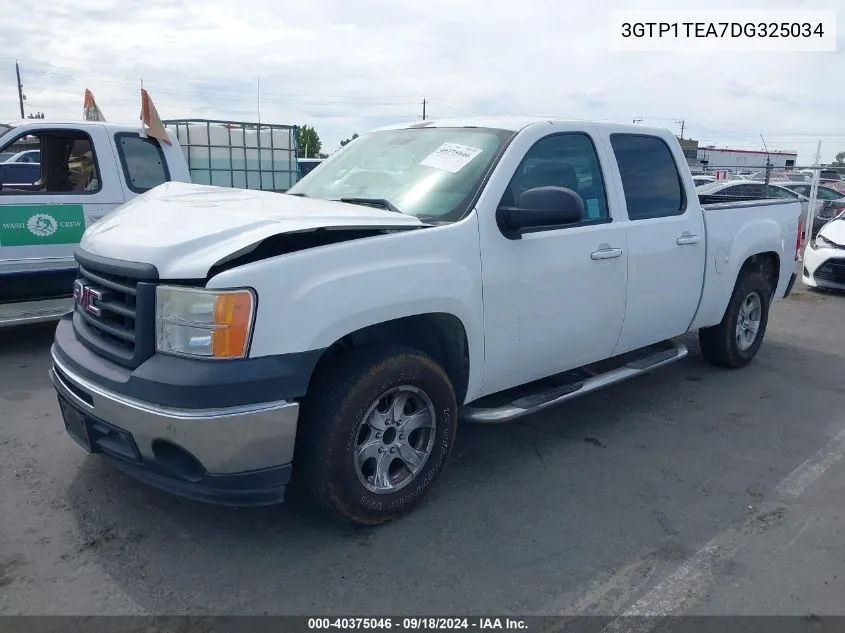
674, 492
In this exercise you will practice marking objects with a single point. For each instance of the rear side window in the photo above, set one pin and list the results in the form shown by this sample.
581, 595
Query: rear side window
143, 162
750, 189
780, 192
650, 178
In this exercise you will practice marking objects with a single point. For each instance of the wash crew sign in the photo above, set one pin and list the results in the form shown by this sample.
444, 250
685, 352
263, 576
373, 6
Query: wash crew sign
36, 224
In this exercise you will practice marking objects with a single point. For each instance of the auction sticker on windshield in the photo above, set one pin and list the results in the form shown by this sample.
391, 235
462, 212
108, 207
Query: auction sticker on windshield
35, 224
451, 157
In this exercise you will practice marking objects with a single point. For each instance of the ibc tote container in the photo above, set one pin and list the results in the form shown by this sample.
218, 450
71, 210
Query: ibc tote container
237, 154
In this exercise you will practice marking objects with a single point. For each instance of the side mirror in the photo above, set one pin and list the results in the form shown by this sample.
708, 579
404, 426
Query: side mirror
540, 207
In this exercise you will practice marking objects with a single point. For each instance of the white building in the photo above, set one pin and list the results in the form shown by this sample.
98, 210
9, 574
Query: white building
720, 158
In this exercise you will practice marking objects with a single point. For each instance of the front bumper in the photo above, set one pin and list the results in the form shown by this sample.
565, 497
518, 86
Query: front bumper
824, 268
237, 455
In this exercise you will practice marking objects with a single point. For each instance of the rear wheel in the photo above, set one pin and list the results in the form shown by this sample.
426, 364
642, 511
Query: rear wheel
376, 429
735, 341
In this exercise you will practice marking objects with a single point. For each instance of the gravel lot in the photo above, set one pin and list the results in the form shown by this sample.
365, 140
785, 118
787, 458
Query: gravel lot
585, 508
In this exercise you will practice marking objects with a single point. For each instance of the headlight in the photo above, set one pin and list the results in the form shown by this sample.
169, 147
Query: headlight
204, 323
823, 243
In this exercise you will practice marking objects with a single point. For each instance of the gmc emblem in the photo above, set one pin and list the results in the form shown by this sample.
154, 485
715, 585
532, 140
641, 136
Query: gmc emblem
86, 297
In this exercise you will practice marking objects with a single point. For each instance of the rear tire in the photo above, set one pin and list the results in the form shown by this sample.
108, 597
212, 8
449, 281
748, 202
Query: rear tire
731, 343
375, 431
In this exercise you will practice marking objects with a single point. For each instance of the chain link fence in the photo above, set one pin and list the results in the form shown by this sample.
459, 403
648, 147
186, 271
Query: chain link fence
821, 190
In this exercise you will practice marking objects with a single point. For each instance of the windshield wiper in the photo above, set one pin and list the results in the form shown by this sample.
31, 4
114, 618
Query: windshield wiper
301, 195
373, 202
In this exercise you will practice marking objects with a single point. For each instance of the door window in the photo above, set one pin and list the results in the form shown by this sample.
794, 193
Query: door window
650, 178
68, 164
829, 194
563, 160
780, 192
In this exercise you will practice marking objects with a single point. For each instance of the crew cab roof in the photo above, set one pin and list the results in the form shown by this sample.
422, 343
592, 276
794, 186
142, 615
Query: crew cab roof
515, 124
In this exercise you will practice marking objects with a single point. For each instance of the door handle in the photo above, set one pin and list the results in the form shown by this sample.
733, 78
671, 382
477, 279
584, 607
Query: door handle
686, 238
606, 253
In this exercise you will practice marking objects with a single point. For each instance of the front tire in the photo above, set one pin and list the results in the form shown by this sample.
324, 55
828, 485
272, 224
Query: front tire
735, 341
375, 431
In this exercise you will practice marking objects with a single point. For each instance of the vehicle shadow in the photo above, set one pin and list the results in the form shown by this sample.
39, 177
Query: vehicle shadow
27, 338
656, 457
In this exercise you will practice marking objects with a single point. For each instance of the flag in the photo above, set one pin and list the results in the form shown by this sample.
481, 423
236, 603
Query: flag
151, 124
90, 111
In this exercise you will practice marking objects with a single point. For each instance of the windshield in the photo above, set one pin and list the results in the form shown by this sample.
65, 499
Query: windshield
430, 173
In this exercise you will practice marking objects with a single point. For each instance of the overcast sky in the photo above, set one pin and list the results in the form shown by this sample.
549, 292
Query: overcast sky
348, 66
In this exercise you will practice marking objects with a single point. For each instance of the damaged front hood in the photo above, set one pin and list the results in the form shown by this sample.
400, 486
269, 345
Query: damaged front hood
184, 229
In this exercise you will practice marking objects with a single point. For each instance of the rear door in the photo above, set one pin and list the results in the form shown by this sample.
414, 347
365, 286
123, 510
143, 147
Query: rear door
665, 237
42, 221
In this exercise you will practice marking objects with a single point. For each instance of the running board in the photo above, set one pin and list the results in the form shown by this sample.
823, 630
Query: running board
31, 312
491, 409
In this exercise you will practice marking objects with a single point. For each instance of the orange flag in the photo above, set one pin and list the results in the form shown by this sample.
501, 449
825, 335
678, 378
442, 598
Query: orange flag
90, 111
151, 124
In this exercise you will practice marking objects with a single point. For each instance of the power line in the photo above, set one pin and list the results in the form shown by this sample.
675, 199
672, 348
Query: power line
161, 86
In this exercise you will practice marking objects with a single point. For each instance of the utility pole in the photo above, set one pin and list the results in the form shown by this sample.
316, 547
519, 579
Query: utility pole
814, 194
258, 99
423, 109
20, 87
768, 164
682, 124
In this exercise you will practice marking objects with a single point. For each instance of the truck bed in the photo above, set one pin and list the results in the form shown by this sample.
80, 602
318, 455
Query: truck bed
734, 229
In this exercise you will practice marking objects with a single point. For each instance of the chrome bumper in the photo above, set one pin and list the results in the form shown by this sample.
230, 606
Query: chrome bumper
225, 441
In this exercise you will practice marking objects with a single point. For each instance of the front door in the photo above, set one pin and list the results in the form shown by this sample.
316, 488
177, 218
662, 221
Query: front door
666, 242
42, 221
554, 299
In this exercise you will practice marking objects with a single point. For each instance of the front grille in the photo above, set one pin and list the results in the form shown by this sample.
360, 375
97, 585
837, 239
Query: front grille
833, 270
114, 312
114, 319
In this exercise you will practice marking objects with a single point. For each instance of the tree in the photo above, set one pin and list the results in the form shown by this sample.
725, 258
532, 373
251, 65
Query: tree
840, 160
346, 141
309, 142
37, 115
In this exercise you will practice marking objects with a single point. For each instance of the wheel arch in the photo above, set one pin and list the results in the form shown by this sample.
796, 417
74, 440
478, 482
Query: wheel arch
441, 335
767, 263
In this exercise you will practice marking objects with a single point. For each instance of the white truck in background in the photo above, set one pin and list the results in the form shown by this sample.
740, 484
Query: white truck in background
87, 169
476, 270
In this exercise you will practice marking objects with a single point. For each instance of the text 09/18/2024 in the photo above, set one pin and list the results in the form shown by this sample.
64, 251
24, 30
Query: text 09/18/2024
724, 31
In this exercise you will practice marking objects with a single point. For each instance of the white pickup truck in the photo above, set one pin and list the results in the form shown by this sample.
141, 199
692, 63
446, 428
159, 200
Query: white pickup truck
87, 169
475, 270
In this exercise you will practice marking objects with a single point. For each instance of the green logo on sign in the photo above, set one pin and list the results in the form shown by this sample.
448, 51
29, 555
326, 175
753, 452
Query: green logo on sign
35, 224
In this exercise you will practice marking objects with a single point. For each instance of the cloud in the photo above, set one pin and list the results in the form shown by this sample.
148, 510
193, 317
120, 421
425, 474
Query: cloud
352, 66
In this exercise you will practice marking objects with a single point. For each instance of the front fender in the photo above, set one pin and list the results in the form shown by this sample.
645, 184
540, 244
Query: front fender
310, 299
